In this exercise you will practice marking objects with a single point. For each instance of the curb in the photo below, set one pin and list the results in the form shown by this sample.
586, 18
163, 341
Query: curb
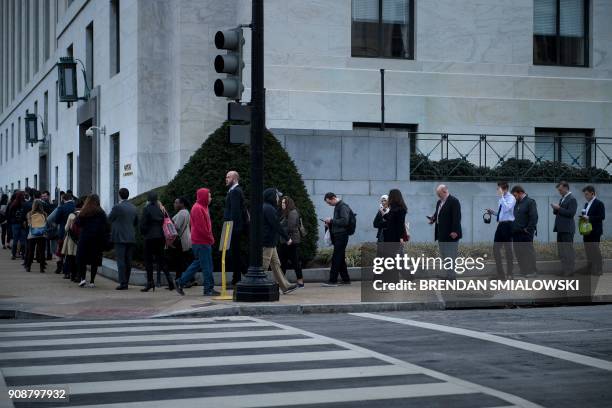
138, 276
14, 314
259, 310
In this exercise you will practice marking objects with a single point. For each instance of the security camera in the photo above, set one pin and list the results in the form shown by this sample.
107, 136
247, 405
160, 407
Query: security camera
89, 132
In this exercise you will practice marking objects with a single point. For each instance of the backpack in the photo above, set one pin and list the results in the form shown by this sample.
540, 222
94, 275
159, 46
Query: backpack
352, 225
170, 232
38, 227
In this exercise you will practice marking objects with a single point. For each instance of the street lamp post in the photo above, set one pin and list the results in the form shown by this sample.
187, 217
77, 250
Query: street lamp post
255, 287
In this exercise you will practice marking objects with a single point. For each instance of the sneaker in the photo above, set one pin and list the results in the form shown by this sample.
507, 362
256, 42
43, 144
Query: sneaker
122, 287
300, 285
344, 283
91, 285
329, 284
290, 289
83, 283
212, 293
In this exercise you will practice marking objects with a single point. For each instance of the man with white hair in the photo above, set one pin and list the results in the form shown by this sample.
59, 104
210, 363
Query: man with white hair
447, 222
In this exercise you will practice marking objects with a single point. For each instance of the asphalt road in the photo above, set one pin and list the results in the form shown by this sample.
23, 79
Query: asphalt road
546, 377
553, 357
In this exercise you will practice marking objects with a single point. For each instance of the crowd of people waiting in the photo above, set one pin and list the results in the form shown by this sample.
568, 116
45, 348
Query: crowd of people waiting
77, 231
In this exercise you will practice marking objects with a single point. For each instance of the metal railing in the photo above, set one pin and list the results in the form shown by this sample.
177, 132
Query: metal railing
545, 157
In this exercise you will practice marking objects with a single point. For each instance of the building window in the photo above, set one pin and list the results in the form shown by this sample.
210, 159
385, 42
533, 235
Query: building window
36, 36
26, 112
569, 146
6, 144
56, 105
115, 157
45, 112
560, 32
26, 48
12, 140
69, 170
115, 43
382, 29
46, 29
19, 135
89, 55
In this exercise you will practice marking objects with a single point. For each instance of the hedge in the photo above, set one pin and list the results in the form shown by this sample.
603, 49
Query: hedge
208, 166
422, 168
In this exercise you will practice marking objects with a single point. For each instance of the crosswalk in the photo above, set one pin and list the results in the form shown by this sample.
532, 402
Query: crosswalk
221, 362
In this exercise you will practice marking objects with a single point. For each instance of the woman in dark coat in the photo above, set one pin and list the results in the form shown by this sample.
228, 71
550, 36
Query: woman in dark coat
290, 254
394, 221
16, 216
152, 232
93, 230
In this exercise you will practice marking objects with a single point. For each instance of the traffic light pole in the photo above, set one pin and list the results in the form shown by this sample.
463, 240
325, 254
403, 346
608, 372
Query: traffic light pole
255, 287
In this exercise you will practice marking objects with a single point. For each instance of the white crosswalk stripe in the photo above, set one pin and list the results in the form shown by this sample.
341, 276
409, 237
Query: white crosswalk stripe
230, 362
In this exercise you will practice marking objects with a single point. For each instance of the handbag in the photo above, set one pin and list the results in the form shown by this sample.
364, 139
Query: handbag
584, 227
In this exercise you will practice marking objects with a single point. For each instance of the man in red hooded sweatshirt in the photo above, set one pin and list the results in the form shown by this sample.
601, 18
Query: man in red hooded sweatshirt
202, 240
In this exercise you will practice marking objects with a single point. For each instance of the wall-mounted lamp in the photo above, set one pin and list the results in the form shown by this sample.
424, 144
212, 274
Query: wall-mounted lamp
67, 77
31, 129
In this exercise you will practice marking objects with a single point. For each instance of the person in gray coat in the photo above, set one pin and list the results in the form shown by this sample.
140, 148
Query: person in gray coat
524, 228
565, 227
124, 220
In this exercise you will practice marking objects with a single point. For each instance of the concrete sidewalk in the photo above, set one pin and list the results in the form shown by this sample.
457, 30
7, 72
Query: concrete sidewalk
33, 294
30, 294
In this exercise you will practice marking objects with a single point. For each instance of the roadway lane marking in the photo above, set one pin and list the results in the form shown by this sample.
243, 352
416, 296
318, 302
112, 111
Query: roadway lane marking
284, 399
553, 331
514, 400
225, 379
149, 338
535, 348
136, 329
170, 348
83, 368
59, 323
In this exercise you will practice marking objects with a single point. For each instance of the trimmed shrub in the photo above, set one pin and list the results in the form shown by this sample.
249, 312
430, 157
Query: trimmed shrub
422, 168
209, 165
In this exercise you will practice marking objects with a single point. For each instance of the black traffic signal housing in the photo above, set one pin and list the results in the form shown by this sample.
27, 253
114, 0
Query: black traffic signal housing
231, 64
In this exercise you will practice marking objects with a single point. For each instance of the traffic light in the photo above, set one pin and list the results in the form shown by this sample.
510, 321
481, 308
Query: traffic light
231, 63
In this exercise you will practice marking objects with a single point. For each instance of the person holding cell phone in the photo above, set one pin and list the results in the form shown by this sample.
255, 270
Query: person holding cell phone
565, 227
447, 223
